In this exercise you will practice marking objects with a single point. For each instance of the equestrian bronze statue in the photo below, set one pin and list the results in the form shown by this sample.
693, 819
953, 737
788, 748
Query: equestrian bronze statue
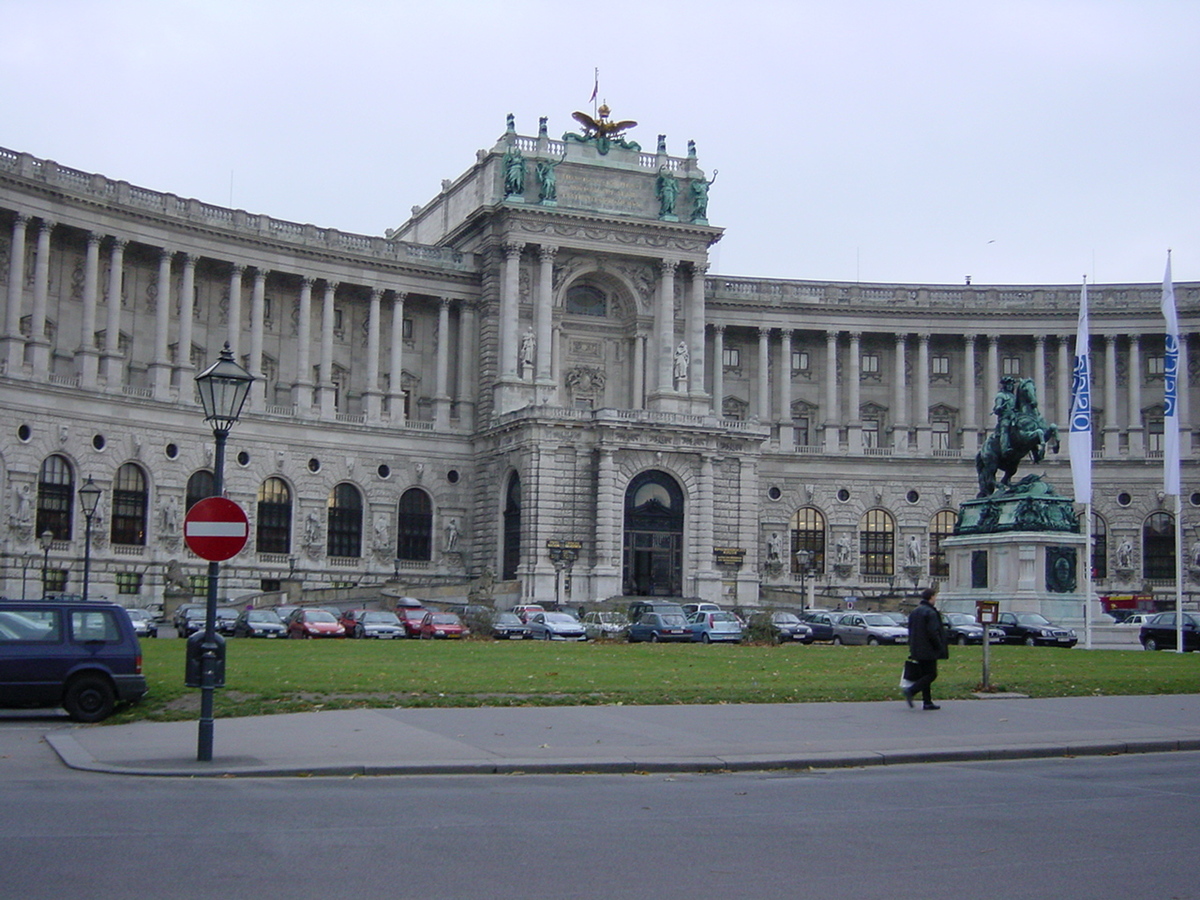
1020, 432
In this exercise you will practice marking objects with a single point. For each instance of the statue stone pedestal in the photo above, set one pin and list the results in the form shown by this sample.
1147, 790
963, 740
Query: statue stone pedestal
1021, 548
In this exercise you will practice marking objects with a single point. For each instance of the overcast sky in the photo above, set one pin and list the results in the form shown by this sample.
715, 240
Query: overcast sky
1016, 141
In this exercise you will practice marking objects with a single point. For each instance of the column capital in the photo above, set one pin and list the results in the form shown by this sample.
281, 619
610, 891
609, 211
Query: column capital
546, 252
855, 336
718, 328
513, 249
668, 266
119, 244
699, 269
376, 293
832, 334
399, 297
924, 337
307, 281
1134, 340
94, 238
332, 286
260, 274
21, 219
166, 254
970, 338
1039, 339
994, 339
190, 259
47, 225
237, 270
443, 302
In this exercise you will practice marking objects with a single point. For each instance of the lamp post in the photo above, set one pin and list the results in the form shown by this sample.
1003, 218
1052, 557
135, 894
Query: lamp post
223, 388
45, 541
89, 499
803, 561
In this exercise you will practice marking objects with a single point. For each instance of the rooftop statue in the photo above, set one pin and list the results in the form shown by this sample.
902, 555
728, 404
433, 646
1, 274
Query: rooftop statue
1020, 431
602, 132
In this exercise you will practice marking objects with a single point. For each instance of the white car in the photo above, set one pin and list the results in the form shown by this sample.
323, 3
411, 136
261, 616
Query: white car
605, 625
1137, 619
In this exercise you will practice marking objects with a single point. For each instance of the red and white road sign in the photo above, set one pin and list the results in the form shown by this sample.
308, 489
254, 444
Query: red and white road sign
216, 529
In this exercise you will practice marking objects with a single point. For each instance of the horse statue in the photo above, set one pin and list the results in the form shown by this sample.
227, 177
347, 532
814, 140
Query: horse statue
1020, 432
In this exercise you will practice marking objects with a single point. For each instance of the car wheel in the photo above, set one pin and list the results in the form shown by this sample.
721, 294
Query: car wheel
837, 640
1030, 641
89, 699
654, 638
1150, 643
704, 638
962, 640
873, 642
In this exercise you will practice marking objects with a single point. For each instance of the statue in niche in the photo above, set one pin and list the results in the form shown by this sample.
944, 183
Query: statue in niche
452, 535
774, 547
666, 189
1125, 554
912, 554
22, 514
514, 173
170, 516
528, 349
682, 360
842, 550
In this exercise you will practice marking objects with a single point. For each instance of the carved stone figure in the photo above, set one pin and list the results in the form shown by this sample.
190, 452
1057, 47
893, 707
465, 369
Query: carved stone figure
175, 579
528, 349
170, 516
547, 180
682, 360
774, 546
912, 554
1125, 554
452, 534
22, 514
842, 550
312, 531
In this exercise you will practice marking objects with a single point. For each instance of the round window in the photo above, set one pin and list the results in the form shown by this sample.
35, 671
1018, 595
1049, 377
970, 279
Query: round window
98, 441
314, 465
172, 451
1124, 498
843, 494
774, 493
243, 458
384, 470
452, 476
24, 433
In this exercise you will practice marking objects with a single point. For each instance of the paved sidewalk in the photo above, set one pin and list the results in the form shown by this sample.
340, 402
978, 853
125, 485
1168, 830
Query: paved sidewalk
613, 739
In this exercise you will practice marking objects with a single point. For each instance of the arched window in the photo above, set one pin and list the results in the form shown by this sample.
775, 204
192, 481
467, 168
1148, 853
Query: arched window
1099, 547
199, 487
414, 526
1158, 547
808, 533
585, 300
56, 487
877, 543
274, 517
511, 557
344, 521
941, 526
130, 501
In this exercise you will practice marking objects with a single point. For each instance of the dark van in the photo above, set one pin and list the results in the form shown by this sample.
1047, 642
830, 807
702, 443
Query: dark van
84, 657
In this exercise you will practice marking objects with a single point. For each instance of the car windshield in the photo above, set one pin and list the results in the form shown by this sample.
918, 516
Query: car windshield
786, 619
613, 618
672, 620
727, 617
877, 619
444, 619
379, 618
560, 618
1033, 619
261, 615
319, 615
508, 619
961, 619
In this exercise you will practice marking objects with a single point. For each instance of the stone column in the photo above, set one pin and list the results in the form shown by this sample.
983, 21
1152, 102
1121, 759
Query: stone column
185, 380
543, 315
1137, 443
762, 411
325, 386
921, 414
509, 309
160, 368
854, 394
665, 325
718, 375
695, 331
87, 355
441, 396
993, 372
1045, 400
467, 369
39, 344
786, 431
1066, 369
708, 579
233, 331
373, 400
970, 423
112, 325
302, 387
14, 342
1112, 424
396, 362
638, 400
606, 576
258, 307
748, 577
833, 425
900, 396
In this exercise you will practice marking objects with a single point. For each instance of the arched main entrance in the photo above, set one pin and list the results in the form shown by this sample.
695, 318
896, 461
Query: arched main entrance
653, 557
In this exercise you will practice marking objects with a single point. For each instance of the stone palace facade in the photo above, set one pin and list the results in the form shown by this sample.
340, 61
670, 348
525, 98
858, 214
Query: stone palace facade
534, 384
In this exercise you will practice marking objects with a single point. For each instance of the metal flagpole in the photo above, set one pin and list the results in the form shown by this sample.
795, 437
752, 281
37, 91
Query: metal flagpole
1087, 594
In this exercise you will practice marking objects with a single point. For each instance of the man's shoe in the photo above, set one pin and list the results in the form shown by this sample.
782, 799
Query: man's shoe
930, 706
907, 697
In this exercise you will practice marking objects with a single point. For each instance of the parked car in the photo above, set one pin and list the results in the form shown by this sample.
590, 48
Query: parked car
507, 626
556, 626
708, 626
285, 611
181, 611
1034, 629
442, 625
638, 608
785, 626
603, 625
411, 617
259, 623
690, 608
962, 628
867, 628
314, 623
192, 621
144, 623
524, 611
1160, 632
820, 622
225, 620
1137, 619
372, 623
81, 656
660, 626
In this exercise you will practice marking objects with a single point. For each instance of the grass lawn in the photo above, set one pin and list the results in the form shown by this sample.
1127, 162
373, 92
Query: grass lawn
294, 676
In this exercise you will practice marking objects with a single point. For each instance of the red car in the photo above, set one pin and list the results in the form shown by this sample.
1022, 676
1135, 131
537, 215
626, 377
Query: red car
442, 625
314, 623
410, 618
526, 611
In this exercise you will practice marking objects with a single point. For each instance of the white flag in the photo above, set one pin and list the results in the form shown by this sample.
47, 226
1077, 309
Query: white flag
1170, 386
1079, 440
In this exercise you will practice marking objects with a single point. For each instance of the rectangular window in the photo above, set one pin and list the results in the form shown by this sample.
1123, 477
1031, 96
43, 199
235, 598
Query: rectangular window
1154, 435
731, 357
870, 432
1156, 367
32, 625
870, 363
56, 581
799, 360
129, 582
941, 435
939, 365
199, 585
801, 431
407, 329
1011, 365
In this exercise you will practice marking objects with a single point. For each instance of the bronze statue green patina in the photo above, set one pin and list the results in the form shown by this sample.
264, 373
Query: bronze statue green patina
666, 189
699, 189
514, 173
1020, 431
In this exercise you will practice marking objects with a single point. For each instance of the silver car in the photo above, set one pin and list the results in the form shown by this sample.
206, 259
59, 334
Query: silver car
556, 626
868, 628
606, 625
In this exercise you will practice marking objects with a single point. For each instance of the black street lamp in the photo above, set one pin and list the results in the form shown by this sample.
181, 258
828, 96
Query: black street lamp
803, 561
89, 499
223, 388
46, 541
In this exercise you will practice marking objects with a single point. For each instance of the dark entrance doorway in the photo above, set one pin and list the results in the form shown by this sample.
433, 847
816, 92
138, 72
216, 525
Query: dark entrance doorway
653, 557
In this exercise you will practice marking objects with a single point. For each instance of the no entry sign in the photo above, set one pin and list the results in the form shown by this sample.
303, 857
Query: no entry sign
216, 529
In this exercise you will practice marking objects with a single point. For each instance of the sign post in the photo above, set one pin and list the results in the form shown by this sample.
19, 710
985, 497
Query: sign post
216, 529
988, 613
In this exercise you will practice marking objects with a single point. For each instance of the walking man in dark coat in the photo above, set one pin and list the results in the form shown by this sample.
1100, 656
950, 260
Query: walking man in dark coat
926, 645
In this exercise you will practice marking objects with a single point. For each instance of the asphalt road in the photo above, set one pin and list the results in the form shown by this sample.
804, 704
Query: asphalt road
1095, 828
